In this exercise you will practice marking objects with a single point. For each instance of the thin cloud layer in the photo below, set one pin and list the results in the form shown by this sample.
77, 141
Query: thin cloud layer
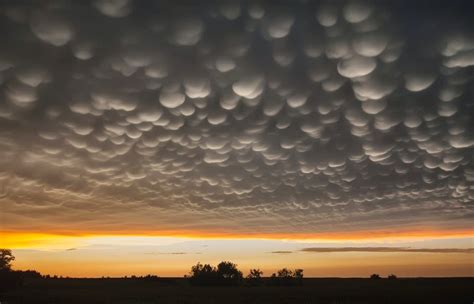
387, 249
236, 117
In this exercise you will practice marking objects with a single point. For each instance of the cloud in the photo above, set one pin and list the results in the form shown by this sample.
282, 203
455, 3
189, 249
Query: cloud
292, 118
282, 252
387, 250
175, 253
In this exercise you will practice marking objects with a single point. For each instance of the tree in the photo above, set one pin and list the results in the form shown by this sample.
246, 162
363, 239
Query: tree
392, 277
298, 275
287, 277
375, 276
284, 277
10, 279
255, 274
228, 273
6, 257
284, 273
203, 274
254, 278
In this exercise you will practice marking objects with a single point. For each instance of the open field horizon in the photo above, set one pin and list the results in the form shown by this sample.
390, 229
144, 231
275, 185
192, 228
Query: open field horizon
169, 256
125, 291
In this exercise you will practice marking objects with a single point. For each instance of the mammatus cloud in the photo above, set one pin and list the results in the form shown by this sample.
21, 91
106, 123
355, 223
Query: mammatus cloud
294, 117
387, 249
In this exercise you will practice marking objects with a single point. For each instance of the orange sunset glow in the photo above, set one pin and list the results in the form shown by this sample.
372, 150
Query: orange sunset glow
28, 240
342, 254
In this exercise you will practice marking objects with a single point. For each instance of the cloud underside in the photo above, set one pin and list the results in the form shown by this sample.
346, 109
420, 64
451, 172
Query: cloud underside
379, 249
235, 117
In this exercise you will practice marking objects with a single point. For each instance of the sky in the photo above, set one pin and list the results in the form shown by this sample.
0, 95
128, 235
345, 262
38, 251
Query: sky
142, 137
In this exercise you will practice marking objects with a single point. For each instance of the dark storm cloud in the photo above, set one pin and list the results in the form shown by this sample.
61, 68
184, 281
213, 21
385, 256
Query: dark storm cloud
277, 117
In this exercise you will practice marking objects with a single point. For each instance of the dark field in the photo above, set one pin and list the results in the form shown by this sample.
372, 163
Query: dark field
123, 291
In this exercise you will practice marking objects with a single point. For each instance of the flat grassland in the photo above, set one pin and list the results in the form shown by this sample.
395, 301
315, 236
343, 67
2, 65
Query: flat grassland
313, 290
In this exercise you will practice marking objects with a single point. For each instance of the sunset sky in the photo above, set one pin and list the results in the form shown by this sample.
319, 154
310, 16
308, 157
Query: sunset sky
140, 137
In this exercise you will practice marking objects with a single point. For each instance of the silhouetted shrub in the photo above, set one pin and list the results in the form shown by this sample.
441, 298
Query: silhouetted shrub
298, 275
375, 276
8, 279
285, 277
254, 278
11, 279
203, 275
29, 274
225, 274
392, 277
228, 274
151, 277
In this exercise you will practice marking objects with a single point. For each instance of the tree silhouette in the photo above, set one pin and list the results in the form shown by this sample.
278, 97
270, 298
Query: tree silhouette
203, 274
284, 273
254, 278
287, 277
6, 257
375, 276
9, 279
228, 273
298, 275
392, 277
225, 274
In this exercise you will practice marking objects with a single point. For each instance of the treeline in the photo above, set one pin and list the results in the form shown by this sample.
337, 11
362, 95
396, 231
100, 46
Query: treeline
12, 278
376, 276
224, 274
227, 274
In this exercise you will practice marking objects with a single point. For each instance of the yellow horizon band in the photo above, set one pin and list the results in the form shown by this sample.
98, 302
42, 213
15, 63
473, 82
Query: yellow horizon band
26, 239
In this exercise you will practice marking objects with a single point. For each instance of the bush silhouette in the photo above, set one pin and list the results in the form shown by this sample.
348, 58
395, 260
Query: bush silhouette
204, 275
392, 277
375, 276
254, 278
11, 279
286, 277
298, 275
225, 274
228, 273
